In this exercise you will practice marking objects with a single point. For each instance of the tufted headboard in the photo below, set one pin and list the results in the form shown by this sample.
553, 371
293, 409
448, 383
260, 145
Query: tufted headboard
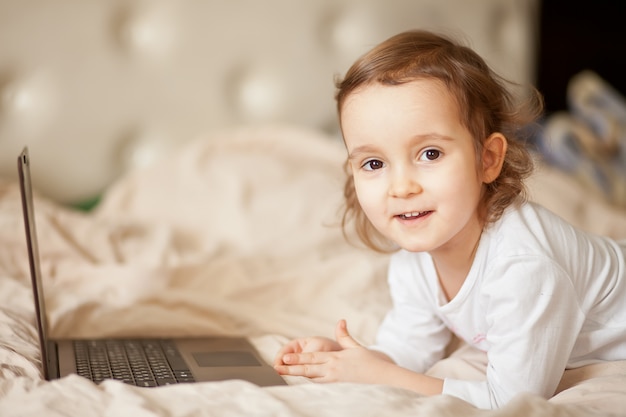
97, 87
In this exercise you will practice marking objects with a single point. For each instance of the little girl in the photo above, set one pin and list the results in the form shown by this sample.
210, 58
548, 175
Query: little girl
436, 167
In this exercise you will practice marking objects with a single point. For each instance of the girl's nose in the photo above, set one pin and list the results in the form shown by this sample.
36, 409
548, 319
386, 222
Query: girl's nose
404, 185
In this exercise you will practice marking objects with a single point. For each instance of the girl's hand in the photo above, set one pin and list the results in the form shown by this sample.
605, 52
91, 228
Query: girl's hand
325, 360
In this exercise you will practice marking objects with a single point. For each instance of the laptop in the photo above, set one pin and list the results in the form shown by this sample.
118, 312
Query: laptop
139, 361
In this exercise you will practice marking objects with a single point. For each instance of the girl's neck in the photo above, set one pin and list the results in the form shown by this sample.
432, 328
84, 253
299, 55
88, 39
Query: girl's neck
454, 263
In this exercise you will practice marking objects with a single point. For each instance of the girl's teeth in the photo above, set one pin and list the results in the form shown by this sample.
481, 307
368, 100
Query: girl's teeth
411, 215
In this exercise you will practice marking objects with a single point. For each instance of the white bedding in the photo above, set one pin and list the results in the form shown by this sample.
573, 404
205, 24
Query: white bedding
236, 234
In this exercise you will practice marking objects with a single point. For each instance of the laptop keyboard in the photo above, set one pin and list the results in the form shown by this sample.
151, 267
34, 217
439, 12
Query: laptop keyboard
142, 362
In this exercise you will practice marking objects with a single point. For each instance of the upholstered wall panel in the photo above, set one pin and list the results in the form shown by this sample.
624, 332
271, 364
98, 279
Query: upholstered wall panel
96, 87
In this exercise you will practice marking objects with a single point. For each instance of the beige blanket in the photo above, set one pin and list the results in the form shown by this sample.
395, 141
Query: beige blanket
236, 234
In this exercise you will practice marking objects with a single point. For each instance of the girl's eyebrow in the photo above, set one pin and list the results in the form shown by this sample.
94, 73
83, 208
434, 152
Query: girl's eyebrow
432, 136
360, 150
366, 149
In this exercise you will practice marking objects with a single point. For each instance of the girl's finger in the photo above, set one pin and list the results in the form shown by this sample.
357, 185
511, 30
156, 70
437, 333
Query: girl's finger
304, 358
343, 337
309, 371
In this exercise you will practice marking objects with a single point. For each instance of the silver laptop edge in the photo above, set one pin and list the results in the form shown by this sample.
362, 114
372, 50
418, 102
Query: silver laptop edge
48, 350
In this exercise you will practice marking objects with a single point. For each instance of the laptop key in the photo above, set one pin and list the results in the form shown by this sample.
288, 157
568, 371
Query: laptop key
146, 383
166, 381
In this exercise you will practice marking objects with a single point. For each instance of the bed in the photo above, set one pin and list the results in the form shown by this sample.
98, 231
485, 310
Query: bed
226, 224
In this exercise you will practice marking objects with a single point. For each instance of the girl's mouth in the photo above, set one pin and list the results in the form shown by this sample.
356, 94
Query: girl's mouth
413, 215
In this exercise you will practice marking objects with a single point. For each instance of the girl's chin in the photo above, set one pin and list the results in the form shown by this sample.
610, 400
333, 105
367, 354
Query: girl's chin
414, 247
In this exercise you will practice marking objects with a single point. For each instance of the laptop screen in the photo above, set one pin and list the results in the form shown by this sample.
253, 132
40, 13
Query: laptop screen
23, 163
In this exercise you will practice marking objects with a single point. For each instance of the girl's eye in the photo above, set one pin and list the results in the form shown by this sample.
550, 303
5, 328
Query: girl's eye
430, 155
373, 164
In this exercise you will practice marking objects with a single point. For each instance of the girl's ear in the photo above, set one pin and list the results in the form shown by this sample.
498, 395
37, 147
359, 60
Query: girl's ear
494, 150
347, 168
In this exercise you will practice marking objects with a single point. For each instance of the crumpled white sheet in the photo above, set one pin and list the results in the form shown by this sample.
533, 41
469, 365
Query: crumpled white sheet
235, 234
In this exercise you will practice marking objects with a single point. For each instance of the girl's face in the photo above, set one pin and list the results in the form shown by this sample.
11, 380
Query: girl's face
414, 165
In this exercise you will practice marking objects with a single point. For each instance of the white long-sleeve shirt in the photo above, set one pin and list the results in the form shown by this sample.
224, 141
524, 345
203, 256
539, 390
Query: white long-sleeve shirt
540, 297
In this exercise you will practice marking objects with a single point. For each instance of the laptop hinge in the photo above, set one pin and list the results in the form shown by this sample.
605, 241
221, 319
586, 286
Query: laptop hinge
53, 361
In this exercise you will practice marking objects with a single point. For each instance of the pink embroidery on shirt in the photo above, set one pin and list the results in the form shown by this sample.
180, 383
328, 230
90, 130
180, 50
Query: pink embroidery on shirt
478, 338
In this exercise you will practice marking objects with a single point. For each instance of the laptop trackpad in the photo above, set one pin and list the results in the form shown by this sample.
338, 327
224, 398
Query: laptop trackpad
216, 359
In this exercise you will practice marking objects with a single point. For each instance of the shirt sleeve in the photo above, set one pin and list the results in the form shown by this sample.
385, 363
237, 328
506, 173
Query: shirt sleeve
411, 334
533, 318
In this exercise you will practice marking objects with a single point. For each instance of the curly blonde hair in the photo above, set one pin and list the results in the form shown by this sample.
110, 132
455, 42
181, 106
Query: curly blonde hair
485, 106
